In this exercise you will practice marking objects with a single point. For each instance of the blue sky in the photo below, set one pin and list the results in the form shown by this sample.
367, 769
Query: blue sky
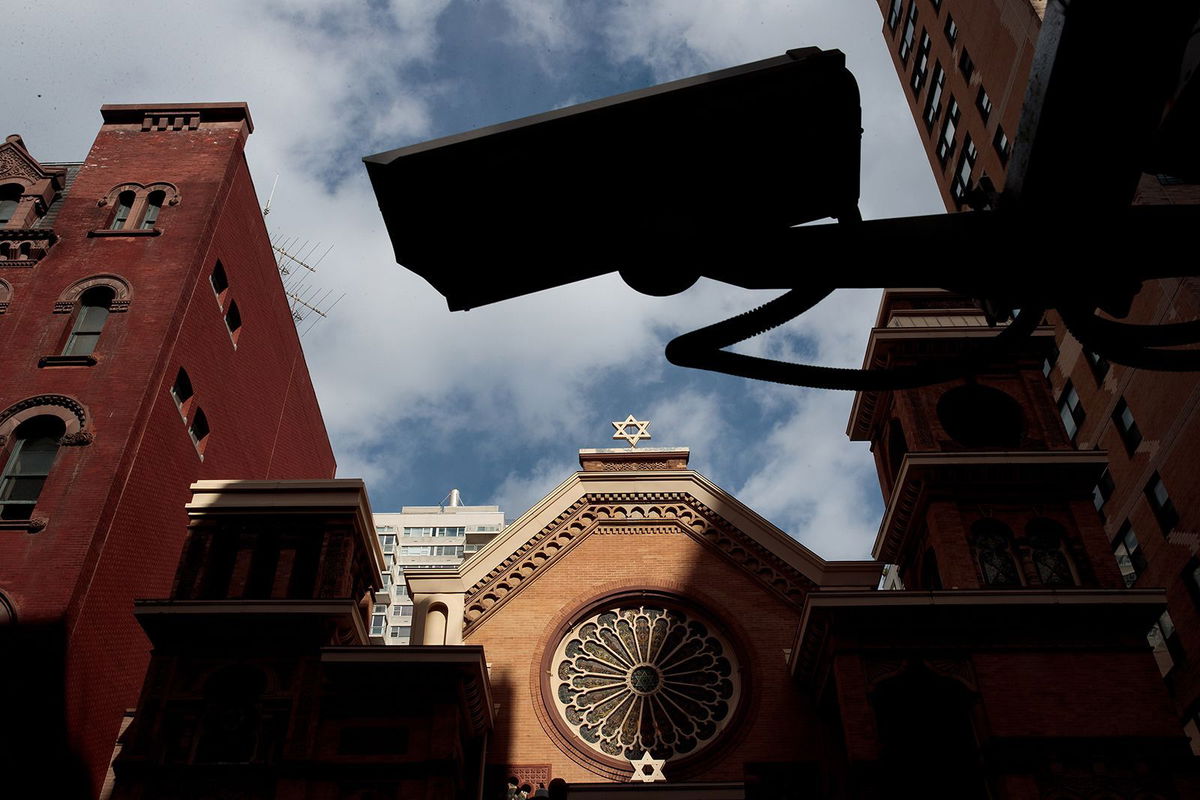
498, 400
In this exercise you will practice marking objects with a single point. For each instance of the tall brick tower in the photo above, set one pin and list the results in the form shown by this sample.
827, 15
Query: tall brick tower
1009, 585
964, 67
145, 343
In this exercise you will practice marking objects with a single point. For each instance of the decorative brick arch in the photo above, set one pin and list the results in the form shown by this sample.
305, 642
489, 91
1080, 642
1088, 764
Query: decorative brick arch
8, 615
69, 410
122, 293
141, 190
5, 295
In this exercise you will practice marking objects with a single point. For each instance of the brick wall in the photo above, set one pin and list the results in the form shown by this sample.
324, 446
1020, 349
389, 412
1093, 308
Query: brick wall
115, 507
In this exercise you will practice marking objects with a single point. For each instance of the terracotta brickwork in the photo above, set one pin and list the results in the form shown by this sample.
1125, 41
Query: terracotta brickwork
780, 724
111, 518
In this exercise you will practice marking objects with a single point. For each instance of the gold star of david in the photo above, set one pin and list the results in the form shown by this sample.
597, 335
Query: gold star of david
647, 769
636, 436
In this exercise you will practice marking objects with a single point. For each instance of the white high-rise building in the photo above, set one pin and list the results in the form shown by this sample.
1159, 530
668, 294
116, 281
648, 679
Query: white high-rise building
424, 537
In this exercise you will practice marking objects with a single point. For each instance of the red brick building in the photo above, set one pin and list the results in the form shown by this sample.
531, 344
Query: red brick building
639, 620
145, 343
964, 68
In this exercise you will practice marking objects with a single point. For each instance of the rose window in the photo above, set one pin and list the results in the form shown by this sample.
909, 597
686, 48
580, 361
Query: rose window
635, 679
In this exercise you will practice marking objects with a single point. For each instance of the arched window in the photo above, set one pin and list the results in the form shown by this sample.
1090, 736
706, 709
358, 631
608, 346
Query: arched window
1045, 538
10, 198
993, 549
29, 462
94, 305
233, 320
153, 206
124, 206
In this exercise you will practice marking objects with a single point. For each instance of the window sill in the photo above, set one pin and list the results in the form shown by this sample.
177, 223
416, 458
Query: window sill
67, 361
28, 525
122, 232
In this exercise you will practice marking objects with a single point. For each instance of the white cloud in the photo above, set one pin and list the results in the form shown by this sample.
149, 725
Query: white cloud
329, 82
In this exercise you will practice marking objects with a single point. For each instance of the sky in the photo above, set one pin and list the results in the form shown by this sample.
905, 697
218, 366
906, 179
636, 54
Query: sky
496, 401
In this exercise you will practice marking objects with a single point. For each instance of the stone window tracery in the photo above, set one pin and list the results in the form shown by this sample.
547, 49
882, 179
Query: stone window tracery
636, 678
993, 548
1045, 539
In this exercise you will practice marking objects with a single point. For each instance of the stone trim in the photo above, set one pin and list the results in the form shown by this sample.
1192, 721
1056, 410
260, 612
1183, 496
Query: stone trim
632, 514
69, 410
122, 293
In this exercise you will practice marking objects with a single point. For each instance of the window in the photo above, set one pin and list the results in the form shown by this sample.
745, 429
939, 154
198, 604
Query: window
910, 31
388, 542
1050, 361
951, 29
124, 206
34, 449
199, 431
1161, 505
386, 579
932, 105
93, 311
403, 631
984, 104
378, 622
433, 531
181, 391
1102, 491
945, 146
1123, 419
894, 15
992, 540
1000, 142
1099, 365
416, 550
10, 199
921, 64
1165, 643
1070, 410
1045, 538
153, 206
233, 321
962, 175
394, 632
384, 528
965, 65
1130, 558
402, 590
220, 283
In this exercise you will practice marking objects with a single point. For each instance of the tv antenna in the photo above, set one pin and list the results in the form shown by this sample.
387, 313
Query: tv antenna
294, 259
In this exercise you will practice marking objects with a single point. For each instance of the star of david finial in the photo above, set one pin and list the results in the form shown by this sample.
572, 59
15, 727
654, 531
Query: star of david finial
637, 435
647, 769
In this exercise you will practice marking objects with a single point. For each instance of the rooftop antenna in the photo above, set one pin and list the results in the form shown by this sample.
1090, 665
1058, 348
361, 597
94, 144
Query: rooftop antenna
307, 303
271, 196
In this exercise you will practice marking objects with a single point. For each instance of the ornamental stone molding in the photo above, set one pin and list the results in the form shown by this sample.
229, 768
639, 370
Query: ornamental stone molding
5, 295
69, 410
15, 165
122, 293
170, 190
632, 514
644, 678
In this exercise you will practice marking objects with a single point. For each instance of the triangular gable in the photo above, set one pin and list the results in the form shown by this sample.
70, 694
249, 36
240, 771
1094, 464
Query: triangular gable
645, 502
16, 162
